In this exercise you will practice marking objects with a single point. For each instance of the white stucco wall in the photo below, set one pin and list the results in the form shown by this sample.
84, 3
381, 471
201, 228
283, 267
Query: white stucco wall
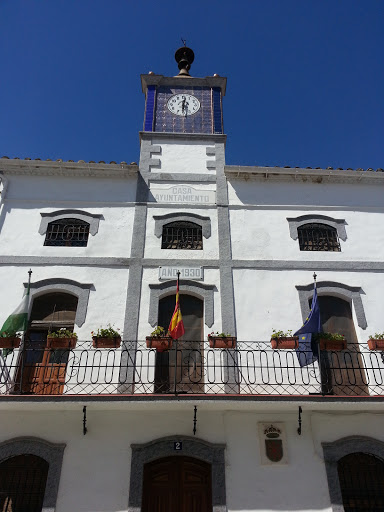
151, 276
153, 244
96, 467
183, 156
269, 298
106, 301
28, 196
267, 235
304, 191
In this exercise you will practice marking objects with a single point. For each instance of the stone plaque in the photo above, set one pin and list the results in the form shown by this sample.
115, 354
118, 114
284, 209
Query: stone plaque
183, 194
194, 273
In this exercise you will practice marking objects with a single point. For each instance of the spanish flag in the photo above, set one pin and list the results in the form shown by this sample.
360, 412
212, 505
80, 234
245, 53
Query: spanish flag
176, 326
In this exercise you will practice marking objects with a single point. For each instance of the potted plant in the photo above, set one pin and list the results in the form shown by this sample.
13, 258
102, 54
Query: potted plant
159, 339
376, 342
221, 340
284, 340
106, 338
62, 338
10, 339
331, 341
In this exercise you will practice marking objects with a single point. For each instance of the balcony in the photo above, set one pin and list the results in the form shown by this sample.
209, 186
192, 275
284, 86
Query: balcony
253, 369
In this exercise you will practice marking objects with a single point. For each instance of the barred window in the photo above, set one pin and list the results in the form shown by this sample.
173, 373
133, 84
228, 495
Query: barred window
68, 233
361, 477
182, 235
22, 483
318, 237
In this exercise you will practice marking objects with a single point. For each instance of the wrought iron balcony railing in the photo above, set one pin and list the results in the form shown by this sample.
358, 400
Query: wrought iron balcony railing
253, 368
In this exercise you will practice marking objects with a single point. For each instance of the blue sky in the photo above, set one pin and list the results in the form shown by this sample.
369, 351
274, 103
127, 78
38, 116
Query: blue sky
305, 77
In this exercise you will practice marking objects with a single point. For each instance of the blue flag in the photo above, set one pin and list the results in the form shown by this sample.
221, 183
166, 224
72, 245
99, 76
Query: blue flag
307, 352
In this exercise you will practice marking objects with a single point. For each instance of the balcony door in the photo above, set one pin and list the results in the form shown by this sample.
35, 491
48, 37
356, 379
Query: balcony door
342, 372
177, 484
181, 369
42, 370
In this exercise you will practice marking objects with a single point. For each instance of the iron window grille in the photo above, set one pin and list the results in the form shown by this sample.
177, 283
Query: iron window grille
22, 483
318, 237
67, 233
361, 477
182, 235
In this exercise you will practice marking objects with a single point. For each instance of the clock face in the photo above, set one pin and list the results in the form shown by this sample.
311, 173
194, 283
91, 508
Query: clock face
183, 104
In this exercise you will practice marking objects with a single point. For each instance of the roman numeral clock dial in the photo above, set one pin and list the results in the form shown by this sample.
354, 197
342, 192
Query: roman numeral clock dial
183, 104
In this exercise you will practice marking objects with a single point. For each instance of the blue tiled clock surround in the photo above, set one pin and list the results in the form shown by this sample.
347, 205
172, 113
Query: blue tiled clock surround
150, 109
208, 119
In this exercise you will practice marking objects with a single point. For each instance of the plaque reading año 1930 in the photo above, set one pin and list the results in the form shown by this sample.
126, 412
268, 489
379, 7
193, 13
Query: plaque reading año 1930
195, 273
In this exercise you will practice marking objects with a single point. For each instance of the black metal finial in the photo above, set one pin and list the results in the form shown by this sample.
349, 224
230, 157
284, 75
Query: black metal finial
184, 57
314, 276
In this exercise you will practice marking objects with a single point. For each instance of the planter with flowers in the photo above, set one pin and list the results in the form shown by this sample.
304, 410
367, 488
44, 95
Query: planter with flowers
61, 339
376, 341
159, 339
10, 339
281, 340
221, 340
331, 341
107, 337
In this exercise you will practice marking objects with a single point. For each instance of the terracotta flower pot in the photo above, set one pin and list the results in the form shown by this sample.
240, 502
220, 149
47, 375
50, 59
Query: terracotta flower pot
376, 344
11, 342
222, 341
100, 342
160, 344
334, 345
285, 343
69, 343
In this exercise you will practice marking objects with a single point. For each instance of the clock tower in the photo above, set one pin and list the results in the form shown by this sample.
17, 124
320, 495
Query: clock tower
183, 104
182, 187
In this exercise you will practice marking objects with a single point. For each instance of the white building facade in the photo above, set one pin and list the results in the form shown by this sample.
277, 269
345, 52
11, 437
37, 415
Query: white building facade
90, 428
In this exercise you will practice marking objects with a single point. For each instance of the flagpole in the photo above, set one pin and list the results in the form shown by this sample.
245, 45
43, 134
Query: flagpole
23, 337
175, 378
318, 345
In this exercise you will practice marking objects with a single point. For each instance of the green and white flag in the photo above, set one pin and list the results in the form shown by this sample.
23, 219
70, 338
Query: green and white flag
18, 320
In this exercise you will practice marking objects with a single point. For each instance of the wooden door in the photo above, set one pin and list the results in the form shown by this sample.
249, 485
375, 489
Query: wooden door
342, 372
177, 484
182, 370
42, 370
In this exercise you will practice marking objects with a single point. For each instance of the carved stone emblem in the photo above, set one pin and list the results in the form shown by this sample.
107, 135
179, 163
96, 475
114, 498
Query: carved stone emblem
274, 449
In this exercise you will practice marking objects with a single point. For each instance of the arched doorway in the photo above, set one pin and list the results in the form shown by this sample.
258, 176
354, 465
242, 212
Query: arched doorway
342, 372
177, 484
361, 478
181, 369
22, 483
42, 370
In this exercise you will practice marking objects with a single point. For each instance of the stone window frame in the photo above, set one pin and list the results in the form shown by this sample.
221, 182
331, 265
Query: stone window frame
51, 452
93, 219
351, 294
199, 290
335, 451
162, 220
80, 290
337, 224
212, 453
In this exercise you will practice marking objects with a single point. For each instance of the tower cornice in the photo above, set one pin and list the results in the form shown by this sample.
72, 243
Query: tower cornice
183, 81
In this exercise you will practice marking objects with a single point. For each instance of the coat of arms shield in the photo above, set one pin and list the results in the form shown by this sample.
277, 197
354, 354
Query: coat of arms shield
274, 449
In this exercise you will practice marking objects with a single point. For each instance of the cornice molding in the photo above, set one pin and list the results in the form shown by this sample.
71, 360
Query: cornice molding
208, 137
293, 174
71, 169
182, 81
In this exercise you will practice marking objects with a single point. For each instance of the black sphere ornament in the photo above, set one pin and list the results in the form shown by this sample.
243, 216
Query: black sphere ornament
184, 57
